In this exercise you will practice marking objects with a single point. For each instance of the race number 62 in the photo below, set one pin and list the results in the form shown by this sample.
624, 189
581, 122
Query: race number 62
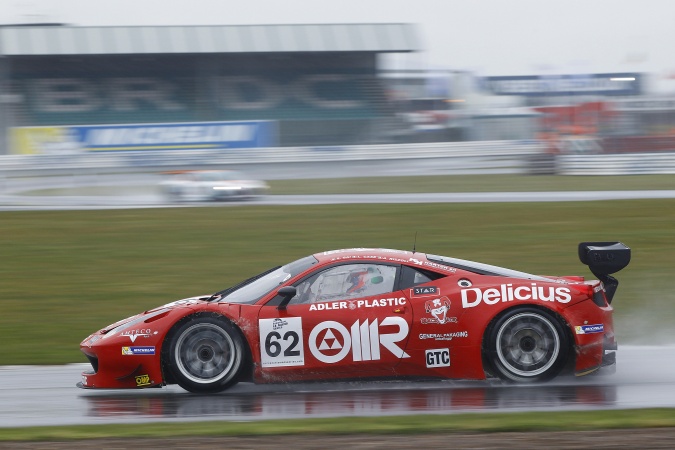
281, 342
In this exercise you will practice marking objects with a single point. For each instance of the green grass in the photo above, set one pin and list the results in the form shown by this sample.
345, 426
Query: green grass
402, 425
67, 274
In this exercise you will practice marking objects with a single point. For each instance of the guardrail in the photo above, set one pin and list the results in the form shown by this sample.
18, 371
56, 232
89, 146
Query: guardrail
482, 155
616, 164
476, 157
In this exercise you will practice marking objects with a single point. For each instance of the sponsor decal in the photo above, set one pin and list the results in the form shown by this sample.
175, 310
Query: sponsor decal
164, 136
445, 336
421, 291
433, 265
361, 249
330, 341
138, 350
278, 324
438, 308
565, 84
84, 380
133, 334
590, 329
473, 297
353, 304
281, 342
143, 380
429, 320
439, 357
372, 257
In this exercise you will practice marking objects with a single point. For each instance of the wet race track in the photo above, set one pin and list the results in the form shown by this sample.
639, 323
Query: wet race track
33, 396
141, 191
14, 203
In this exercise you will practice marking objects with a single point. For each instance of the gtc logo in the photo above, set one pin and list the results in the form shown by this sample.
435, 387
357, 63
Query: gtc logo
438, 308
438, 357
330, 341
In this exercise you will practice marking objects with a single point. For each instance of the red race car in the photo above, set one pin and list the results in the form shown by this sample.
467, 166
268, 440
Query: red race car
370, 313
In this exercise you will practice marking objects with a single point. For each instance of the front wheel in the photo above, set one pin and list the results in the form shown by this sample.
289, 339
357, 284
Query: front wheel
527, 345
205, 354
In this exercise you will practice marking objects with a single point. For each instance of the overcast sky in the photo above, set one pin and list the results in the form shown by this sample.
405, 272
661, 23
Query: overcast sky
490, 37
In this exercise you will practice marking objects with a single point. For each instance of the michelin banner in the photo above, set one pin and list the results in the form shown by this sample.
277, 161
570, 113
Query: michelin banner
178, 136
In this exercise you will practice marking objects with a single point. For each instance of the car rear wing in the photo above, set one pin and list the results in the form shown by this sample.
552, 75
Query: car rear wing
604, 259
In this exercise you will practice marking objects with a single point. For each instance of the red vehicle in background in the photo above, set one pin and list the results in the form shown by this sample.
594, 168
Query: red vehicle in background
370, 313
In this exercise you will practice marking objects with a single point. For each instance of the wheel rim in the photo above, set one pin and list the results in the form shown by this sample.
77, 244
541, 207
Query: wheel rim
205, 353
527, 344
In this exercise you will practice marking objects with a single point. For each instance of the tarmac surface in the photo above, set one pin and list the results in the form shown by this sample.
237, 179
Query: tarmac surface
46, 395
9, 202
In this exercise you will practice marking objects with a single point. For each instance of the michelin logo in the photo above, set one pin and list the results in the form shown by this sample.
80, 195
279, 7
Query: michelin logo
590, 329
144, 350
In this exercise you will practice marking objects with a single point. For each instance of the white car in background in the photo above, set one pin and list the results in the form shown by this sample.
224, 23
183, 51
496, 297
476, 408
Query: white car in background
211, 185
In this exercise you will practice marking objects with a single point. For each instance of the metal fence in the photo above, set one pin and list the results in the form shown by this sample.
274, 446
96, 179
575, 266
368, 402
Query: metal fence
616, 164
476, 157
480, 157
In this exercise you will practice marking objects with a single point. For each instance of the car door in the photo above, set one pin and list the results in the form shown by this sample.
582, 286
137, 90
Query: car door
439, 341
346, 320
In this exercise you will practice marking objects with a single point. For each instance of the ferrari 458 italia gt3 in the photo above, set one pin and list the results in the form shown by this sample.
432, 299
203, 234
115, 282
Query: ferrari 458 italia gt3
370, 313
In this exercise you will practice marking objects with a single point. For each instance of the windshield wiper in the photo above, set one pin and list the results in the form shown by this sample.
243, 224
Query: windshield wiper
225, 292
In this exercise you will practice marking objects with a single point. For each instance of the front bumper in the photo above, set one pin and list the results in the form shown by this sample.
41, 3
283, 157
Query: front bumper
113, 367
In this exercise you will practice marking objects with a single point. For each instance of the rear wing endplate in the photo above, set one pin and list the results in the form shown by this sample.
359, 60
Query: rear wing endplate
604, 259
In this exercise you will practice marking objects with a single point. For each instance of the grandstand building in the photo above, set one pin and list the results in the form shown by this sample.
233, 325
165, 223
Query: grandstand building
123, 88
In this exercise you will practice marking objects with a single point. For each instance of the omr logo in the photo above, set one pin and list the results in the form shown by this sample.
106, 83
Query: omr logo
330, 341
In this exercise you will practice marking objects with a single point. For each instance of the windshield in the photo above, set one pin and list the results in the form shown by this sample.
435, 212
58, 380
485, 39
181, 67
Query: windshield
253, 289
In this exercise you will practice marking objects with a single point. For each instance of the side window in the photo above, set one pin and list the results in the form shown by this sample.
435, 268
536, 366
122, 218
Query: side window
345, 282
411, 276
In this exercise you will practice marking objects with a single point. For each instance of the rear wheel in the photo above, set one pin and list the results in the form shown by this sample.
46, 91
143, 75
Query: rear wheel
527, 345
205, 354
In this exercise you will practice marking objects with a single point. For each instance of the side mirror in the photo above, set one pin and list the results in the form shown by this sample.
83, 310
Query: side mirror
287, 293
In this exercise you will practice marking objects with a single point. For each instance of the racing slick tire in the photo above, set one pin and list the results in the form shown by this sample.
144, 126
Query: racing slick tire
527, 345
205, 354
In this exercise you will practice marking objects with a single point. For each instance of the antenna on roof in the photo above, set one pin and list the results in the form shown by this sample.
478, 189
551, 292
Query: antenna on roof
415, 242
